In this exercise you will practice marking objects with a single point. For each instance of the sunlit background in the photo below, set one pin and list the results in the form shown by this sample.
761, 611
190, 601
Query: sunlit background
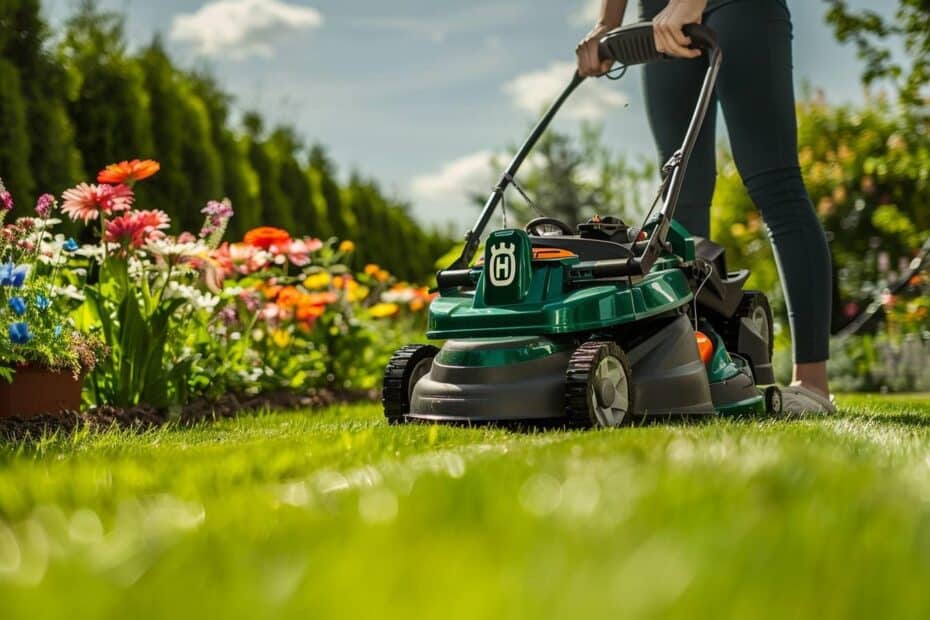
420, 94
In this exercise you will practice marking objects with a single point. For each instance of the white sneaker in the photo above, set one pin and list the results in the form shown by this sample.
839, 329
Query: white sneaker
799, 400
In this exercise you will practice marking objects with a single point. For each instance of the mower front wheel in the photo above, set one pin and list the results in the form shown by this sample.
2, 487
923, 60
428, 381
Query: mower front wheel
598, 386
407, 366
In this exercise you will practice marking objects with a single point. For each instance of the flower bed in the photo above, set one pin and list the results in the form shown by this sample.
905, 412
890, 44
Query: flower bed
161, 319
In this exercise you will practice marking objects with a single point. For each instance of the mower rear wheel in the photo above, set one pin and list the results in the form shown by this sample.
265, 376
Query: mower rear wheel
407, 366
598, 386
756, 310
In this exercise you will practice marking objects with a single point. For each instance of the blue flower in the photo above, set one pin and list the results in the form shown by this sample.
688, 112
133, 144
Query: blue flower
11, 275
18, 305
19, 333
43, 303
58, 331
70, 245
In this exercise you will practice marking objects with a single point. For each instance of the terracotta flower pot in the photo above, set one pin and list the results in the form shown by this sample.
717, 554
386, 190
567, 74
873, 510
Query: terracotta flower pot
36, 390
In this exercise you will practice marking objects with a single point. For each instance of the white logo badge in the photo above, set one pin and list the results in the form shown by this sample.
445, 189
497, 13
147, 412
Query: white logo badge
503, 264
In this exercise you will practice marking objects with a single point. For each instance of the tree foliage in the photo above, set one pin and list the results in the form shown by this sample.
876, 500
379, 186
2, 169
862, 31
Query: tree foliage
865, 168
70, 107
572, 179
876, 36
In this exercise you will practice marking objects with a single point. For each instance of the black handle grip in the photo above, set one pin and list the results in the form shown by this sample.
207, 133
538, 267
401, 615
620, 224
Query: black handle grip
450, 278
635, 44
701, 36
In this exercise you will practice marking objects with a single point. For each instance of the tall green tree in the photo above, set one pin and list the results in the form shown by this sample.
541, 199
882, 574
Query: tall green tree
14, 134
54, 161
238, 179
182, 140
68, 110
328, 196
108, 102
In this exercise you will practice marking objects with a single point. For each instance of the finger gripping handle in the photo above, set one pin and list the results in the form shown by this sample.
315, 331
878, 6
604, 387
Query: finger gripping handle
635, 44
701, 36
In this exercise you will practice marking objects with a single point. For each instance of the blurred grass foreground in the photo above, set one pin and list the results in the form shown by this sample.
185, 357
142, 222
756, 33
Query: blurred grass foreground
339, 515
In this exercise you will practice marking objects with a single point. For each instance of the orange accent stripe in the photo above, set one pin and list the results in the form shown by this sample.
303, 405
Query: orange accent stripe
551, 254
541, 254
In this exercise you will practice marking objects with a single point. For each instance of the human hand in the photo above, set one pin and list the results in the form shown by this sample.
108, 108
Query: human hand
589, 63
667, 27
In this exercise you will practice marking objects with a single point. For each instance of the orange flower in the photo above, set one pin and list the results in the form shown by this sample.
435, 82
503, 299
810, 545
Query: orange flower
270, 291
319, 299
128, 171
372, 269
266, 236
289, 297
310, 313
341, 282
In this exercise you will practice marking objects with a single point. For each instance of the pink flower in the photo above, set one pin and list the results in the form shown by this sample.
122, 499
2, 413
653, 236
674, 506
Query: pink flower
251, 299
44, 205
87, 202
218, 216
246, 259
228, 315
136, 228
6, 200
299, 250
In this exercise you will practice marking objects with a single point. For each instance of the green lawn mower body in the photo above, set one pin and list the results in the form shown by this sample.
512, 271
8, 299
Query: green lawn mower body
594, 325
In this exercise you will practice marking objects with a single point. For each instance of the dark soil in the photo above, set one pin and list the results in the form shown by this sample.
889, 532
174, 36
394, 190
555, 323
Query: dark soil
144, 417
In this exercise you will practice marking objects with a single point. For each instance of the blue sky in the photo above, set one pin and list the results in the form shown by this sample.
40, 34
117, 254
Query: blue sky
420, 93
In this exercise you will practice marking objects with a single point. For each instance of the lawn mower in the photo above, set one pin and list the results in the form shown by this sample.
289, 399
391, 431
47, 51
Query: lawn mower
595, 325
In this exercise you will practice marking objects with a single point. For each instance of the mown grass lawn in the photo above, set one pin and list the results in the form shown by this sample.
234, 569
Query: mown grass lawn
339, 515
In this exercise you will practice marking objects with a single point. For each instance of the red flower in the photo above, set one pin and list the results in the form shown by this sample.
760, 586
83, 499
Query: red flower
87, 202
265, 237
128, 171
136, 228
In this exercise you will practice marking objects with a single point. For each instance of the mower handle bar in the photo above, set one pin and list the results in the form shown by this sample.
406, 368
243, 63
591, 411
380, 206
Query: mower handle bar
628, 45
635, 44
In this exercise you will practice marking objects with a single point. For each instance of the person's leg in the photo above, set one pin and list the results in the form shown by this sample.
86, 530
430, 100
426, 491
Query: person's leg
756, 93
671, 90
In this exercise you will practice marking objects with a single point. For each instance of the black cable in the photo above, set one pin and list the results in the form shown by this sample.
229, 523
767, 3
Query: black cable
616, 73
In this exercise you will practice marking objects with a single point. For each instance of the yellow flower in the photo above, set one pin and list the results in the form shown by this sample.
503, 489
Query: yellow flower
281, 338
372, 269
318, 281
383, 275
347, 246
356, 292
383, 311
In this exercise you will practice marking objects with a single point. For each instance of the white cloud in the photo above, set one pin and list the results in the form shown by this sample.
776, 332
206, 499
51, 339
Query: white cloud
591, 102
456, 180
241, 28
587, 14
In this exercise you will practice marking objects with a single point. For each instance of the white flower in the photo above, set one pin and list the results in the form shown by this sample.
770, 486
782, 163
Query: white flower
91, 251
135, 268
70, 291
172, 249
197, 298
401, 296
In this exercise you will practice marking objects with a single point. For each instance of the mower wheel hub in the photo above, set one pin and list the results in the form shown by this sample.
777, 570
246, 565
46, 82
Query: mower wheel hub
606, 393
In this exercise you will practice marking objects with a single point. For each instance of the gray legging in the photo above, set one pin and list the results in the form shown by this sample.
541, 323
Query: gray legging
756, 92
